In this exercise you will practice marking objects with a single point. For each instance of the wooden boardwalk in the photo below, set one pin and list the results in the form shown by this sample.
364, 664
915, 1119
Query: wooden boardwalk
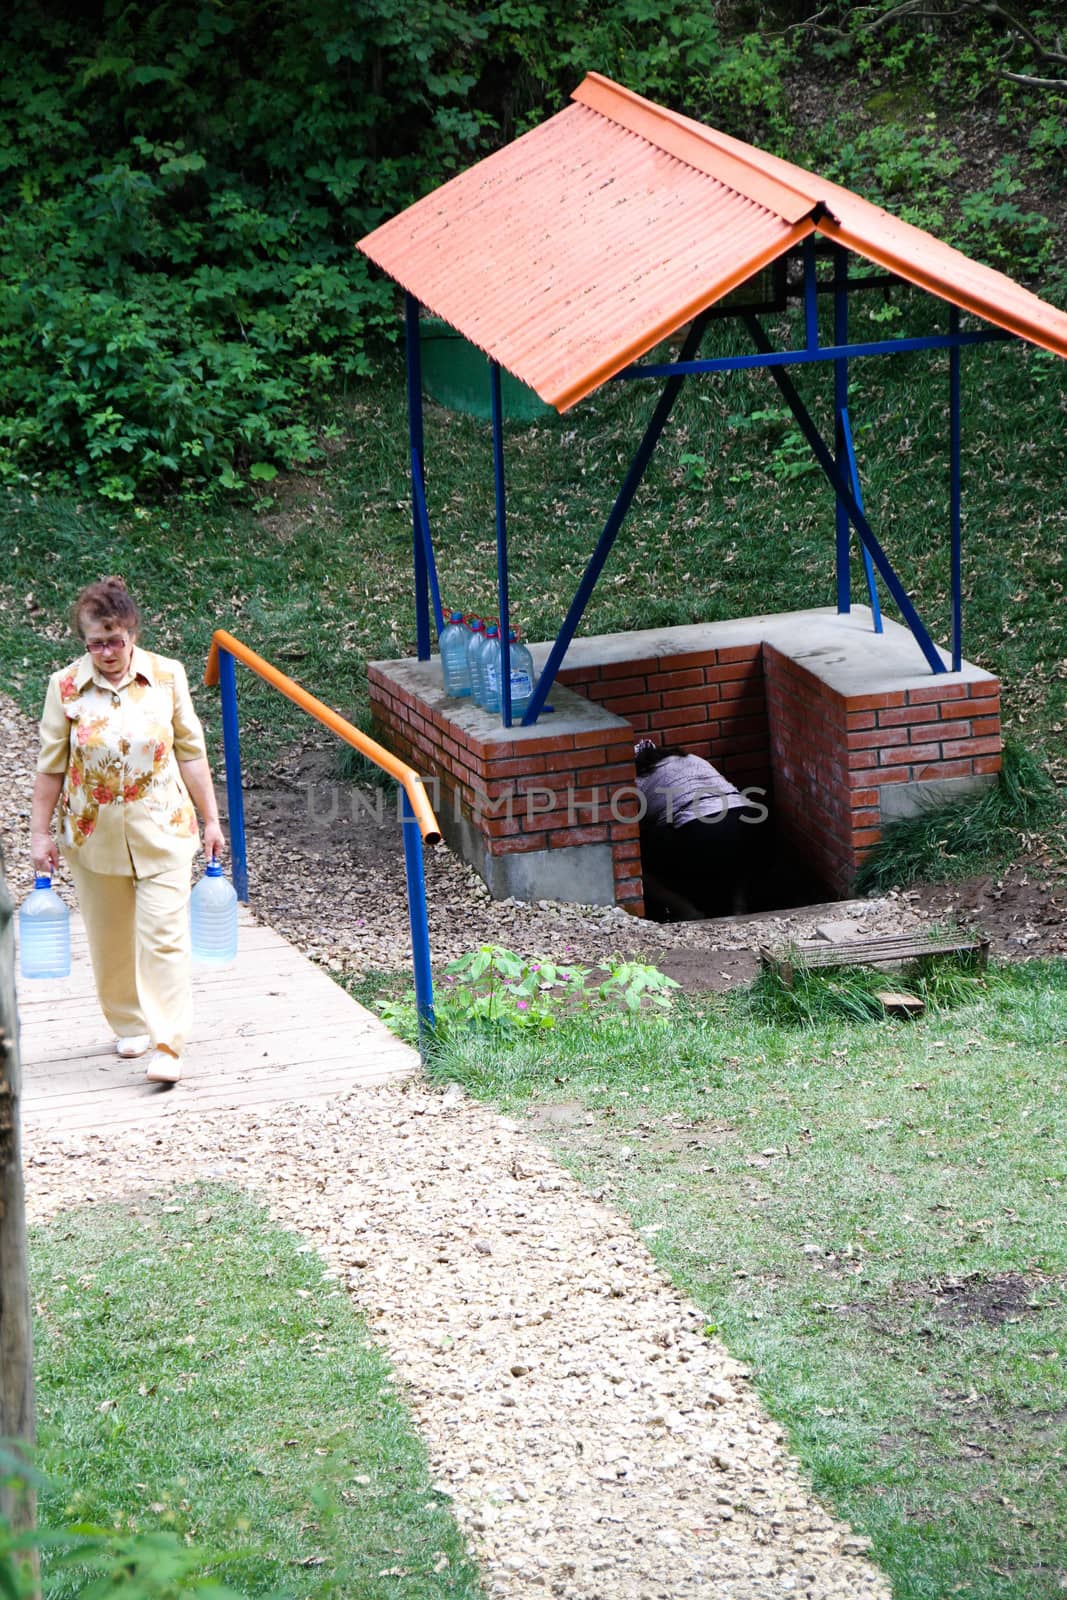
272, 1027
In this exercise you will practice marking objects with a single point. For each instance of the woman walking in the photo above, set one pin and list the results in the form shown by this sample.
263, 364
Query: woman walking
123, 753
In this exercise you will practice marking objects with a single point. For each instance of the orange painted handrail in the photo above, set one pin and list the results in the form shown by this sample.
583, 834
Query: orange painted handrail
406, 776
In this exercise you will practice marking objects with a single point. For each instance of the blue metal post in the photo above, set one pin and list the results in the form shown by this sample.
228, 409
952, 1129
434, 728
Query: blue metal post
422, 523
415, 438
825, 459
231, 748
420, 934
811, 291
954, 424
616, 515
842, 526
503, 602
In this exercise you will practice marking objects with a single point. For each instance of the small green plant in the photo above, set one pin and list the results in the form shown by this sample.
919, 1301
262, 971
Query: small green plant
695, 469
494, 991
127, 1566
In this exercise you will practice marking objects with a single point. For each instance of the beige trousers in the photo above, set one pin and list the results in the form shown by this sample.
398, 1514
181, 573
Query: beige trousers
138, 931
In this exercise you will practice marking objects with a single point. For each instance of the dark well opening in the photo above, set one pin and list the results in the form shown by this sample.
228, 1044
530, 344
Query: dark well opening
749, 871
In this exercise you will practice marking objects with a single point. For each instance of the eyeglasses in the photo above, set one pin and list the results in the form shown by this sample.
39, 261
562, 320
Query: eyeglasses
114, 641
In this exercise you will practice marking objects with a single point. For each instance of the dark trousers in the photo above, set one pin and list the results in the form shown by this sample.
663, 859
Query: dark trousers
707, 862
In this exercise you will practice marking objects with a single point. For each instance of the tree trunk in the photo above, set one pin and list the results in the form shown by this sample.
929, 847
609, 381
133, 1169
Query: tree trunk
16, 1337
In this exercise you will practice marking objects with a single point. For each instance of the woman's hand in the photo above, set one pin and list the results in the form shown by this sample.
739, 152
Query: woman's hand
214, 842
43, 853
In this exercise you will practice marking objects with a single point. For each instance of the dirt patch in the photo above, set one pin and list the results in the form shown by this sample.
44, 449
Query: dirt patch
1023, 911
976, 1297
704, 971
563, 1116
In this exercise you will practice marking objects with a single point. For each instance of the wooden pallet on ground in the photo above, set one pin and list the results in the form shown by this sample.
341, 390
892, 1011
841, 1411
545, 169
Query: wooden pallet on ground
896, 950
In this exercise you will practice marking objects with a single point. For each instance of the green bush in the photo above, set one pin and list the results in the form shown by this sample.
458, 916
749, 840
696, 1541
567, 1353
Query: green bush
182, 189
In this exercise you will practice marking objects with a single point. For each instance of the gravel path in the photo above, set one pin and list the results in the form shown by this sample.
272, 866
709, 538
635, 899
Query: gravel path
595, 1444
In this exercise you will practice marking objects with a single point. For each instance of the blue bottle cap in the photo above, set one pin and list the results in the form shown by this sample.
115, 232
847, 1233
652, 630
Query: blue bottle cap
42, 880
214, 868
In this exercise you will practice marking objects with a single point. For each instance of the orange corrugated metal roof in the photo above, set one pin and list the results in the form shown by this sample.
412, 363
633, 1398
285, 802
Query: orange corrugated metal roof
580, 246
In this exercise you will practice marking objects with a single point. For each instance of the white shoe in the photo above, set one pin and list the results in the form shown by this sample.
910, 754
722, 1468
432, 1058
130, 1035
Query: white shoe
163, 1067
135, 1044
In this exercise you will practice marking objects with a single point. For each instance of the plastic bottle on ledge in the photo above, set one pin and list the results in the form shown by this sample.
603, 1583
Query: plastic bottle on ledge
44, 932
489, 666
213, 918
522, 675
454, 668
475, 640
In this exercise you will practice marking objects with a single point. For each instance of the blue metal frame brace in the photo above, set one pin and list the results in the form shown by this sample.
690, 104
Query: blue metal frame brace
500, 491
418, 450
811, 290
825, 459
616, 515
231, 750
422, 523
845, 426
803, 358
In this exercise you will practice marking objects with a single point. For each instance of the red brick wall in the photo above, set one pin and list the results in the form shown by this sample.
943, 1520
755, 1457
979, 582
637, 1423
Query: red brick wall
538, 793
832, 754
711, 701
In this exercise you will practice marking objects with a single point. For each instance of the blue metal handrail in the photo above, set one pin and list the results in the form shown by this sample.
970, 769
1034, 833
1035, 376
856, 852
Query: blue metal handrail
419, 822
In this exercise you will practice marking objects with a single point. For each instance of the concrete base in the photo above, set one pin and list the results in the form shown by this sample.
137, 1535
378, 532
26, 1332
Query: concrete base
580, 874
899, 801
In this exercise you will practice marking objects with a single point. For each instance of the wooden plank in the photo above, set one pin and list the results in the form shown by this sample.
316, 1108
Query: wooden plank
114, 1073
892, 949
90, 1116
285, 1082
899, 1004
52, 1058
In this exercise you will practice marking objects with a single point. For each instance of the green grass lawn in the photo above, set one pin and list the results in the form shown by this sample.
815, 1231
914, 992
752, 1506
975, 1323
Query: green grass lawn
871, 1215
199, 1373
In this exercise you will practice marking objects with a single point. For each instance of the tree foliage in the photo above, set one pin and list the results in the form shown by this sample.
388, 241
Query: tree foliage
182, 186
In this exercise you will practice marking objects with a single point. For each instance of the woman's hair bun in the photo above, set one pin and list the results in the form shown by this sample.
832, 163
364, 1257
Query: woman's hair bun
106, 601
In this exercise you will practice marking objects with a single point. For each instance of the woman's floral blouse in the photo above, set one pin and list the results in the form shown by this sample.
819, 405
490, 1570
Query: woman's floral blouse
123, 807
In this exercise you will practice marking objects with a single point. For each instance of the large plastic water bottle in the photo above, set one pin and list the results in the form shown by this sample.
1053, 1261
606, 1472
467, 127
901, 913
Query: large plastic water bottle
488, 662
454, 668
522, 675
44, 932
475, 646
213, 917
